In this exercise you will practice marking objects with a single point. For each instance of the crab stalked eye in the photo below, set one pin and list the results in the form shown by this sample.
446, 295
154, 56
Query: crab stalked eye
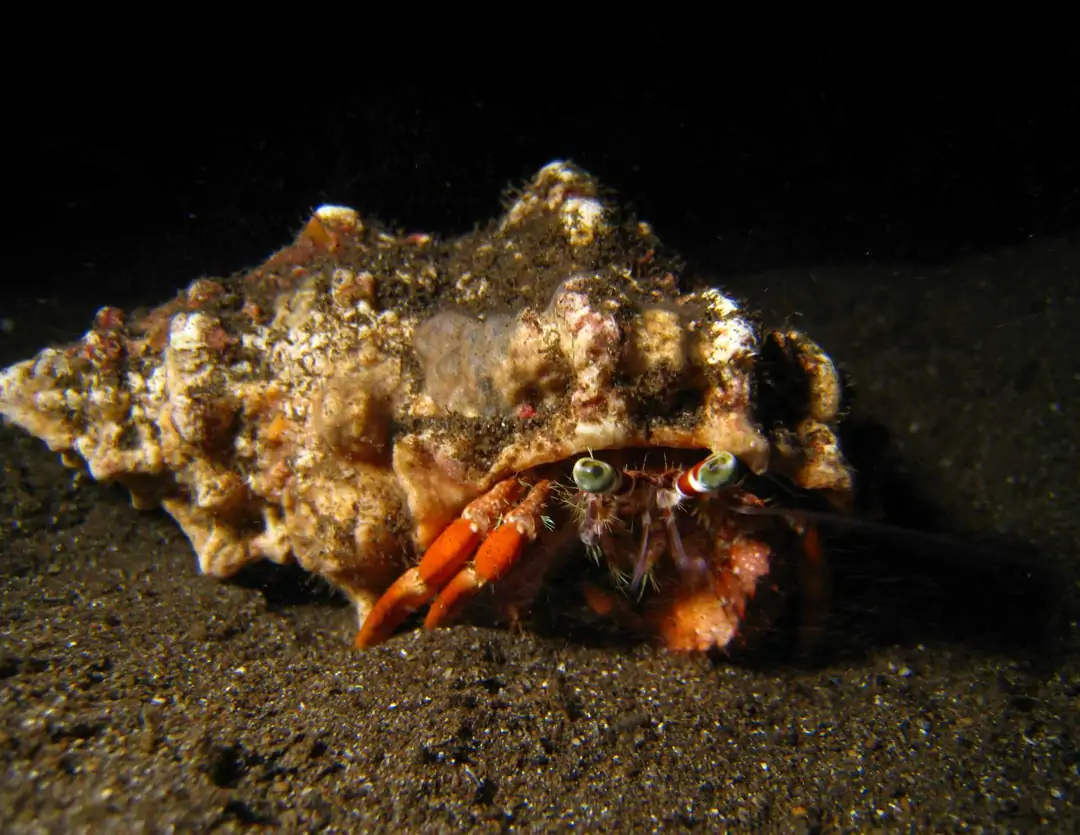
707, 476
715, 471
594, 476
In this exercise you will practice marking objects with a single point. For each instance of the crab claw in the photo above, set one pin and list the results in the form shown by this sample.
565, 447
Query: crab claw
496, 556
442, 561
418, 585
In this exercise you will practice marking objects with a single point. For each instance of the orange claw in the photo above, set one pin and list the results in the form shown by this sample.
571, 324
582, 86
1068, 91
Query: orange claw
442, 561
408, 593
496, 556
418, 585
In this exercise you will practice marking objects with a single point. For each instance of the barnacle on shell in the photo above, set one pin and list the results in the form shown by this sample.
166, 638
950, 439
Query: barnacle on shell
342, 402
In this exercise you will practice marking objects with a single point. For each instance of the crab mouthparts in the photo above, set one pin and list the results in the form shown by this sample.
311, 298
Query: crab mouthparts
632, 529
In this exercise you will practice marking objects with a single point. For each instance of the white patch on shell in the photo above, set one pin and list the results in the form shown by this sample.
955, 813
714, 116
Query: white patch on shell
583, 220
727, 336
590, 341
554, 184
188, 331
339, 217
459, 355
471, 288
273, 543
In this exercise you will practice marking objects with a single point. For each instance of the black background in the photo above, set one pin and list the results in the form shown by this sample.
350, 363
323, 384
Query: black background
744, 148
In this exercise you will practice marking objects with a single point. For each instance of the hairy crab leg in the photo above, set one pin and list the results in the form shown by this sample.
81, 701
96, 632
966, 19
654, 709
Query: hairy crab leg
439, 564
668, 501
651, 553
496, 556
646, 558
590, 526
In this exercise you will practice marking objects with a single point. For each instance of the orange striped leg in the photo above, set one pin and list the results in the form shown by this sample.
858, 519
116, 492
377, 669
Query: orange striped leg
496, 556
441, 562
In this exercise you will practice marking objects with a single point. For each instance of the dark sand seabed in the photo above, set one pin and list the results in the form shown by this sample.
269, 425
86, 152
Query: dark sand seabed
137, 696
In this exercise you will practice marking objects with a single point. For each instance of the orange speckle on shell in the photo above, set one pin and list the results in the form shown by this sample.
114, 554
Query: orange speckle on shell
275, 431
202, 292
319, 234
109, 319
218, 339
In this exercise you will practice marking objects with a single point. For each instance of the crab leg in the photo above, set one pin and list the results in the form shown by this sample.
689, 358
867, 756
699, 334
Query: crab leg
646, 558
439, 564
496, 556
652, 549
668, 501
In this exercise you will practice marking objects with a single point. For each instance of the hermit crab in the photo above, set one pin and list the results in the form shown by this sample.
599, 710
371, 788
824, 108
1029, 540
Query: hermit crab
629, 519
422, 422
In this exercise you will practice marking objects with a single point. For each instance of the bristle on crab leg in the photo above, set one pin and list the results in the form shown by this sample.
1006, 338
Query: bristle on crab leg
668, 501
596, 481
641, 567
498, 553
442, 561
591, 527
650, 552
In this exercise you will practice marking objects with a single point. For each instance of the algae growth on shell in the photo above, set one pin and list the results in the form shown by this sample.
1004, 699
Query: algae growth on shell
339, 404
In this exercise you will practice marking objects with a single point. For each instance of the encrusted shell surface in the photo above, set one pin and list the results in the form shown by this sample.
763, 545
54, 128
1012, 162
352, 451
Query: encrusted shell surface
341, 403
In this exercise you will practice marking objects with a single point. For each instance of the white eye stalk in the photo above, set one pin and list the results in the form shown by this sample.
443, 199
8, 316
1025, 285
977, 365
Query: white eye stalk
707, 476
